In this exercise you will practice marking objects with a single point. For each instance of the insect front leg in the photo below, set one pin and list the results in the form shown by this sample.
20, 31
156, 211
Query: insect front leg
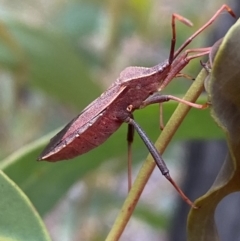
157, 158
186, 76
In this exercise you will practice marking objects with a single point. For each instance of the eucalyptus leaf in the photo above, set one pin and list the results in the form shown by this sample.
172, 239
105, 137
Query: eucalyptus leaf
19, 219
224, 92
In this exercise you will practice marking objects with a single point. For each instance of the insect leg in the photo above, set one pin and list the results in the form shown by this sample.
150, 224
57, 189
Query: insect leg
186, 76
159, 98
130, 135
161, 122
158, 159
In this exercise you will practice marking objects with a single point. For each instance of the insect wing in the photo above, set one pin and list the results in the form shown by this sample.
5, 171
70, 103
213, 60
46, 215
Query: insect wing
80, 123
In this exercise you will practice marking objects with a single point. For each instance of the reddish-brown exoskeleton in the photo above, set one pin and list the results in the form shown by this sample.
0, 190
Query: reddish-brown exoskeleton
135, 88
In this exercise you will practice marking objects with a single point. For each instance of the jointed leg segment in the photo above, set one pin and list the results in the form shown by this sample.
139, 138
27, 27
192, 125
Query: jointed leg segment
158, 98
157, 158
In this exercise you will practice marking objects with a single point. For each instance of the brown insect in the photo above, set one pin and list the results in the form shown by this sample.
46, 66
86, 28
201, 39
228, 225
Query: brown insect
135, 88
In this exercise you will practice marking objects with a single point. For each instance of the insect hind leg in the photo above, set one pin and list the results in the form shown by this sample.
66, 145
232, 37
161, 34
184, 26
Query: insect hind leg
158, 159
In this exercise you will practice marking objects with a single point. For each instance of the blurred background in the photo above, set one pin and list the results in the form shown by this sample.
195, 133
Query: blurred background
56, 57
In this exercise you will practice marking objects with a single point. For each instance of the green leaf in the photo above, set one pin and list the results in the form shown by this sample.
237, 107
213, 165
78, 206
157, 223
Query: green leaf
50, 63
224, 91
19, 219
78, 18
